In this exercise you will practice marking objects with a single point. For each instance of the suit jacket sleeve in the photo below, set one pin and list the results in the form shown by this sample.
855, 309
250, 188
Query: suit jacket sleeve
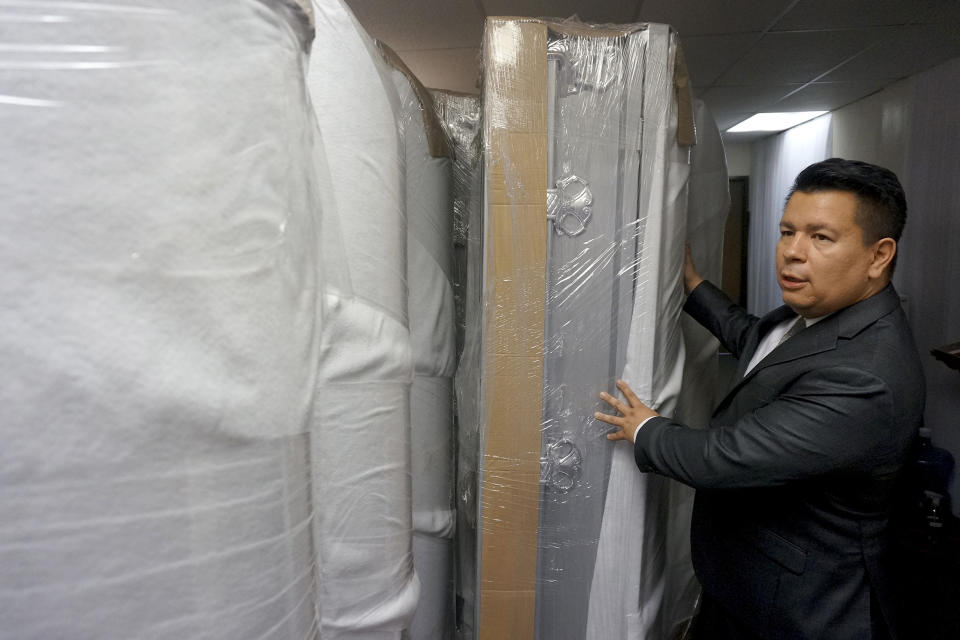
838, 418
729, 322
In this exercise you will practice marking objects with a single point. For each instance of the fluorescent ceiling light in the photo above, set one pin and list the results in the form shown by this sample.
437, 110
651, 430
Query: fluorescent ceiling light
774, 121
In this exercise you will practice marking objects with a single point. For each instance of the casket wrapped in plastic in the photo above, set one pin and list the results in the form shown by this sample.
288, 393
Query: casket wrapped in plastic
159, 332
586, 141
428, 157
360, 426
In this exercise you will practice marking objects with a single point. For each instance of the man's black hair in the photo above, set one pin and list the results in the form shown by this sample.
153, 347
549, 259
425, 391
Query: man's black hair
881, 203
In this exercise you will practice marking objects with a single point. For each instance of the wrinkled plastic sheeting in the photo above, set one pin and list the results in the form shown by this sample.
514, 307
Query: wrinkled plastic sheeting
159, 327
360, 427
460, 114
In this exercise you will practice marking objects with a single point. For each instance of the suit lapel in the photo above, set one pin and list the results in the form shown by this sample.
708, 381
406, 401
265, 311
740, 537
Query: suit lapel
765, 324
812, 340
821, 337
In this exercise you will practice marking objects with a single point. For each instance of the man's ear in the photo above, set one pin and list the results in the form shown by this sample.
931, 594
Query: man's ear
883, 252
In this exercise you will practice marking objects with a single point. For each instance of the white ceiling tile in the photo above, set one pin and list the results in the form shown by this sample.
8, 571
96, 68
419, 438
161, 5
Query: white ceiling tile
709, 56
696, 17
908, 51
746, 99
745, 69
833, 14
451, 69
727, 119
600, 11
800, 56
616, 11
530, 8
827, 96
946, 12
421, 24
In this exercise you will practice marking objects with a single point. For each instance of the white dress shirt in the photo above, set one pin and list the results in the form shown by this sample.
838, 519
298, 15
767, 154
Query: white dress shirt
774, 337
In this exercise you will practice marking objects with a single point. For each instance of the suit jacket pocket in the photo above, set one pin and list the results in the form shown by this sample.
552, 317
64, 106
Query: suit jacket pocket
782, 551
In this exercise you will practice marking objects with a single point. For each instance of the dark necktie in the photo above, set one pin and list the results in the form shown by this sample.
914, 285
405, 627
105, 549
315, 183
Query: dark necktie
797, 326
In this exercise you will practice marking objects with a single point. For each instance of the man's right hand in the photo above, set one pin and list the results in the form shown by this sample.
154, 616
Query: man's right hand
690, 276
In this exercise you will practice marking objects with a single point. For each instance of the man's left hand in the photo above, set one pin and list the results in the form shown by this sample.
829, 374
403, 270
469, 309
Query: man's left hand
632, 415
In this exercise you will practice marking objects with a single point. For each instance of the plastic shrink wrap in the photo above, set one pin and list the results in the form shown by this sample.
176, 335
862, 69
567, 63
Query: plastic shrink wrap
159, 325
586, 162
428, 160
360, 427
460, 114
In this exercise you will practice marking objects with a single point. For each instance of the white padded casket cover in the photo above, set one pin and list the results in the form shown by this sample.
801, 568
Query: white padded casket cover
367, 587
658, 574
159, 328
432, 327
630, 582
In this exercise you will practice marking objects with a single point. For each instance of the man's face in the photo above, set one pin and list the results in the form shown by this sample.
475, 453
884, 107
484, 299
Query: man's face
822, 264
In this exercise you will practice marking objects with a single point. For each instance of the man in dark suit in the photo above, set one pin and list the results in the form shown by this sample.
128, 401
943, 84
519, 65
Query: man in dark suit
796, 473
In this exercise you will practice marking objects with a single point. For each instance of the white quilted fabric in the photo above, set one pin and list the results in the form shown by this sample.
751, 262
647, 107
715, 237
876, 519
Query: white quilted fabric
158, 332
432, 326
367, 588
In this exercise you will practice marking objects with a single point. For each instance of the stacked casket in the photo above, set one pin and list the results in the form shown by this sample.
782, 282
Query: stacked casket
428, 162
158, 334
586, 143
360, 425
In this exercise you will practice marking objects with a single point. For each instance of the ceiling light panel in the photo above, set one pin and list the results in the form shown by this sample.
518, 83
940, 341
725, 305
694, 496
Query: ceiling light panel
774, 121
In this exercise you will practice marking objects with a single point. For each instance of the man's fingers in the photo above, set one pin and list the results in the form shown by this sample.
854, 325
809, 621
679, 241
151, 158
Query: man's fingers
622, 424
629, 394
616, 421
630, 417
613, 402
